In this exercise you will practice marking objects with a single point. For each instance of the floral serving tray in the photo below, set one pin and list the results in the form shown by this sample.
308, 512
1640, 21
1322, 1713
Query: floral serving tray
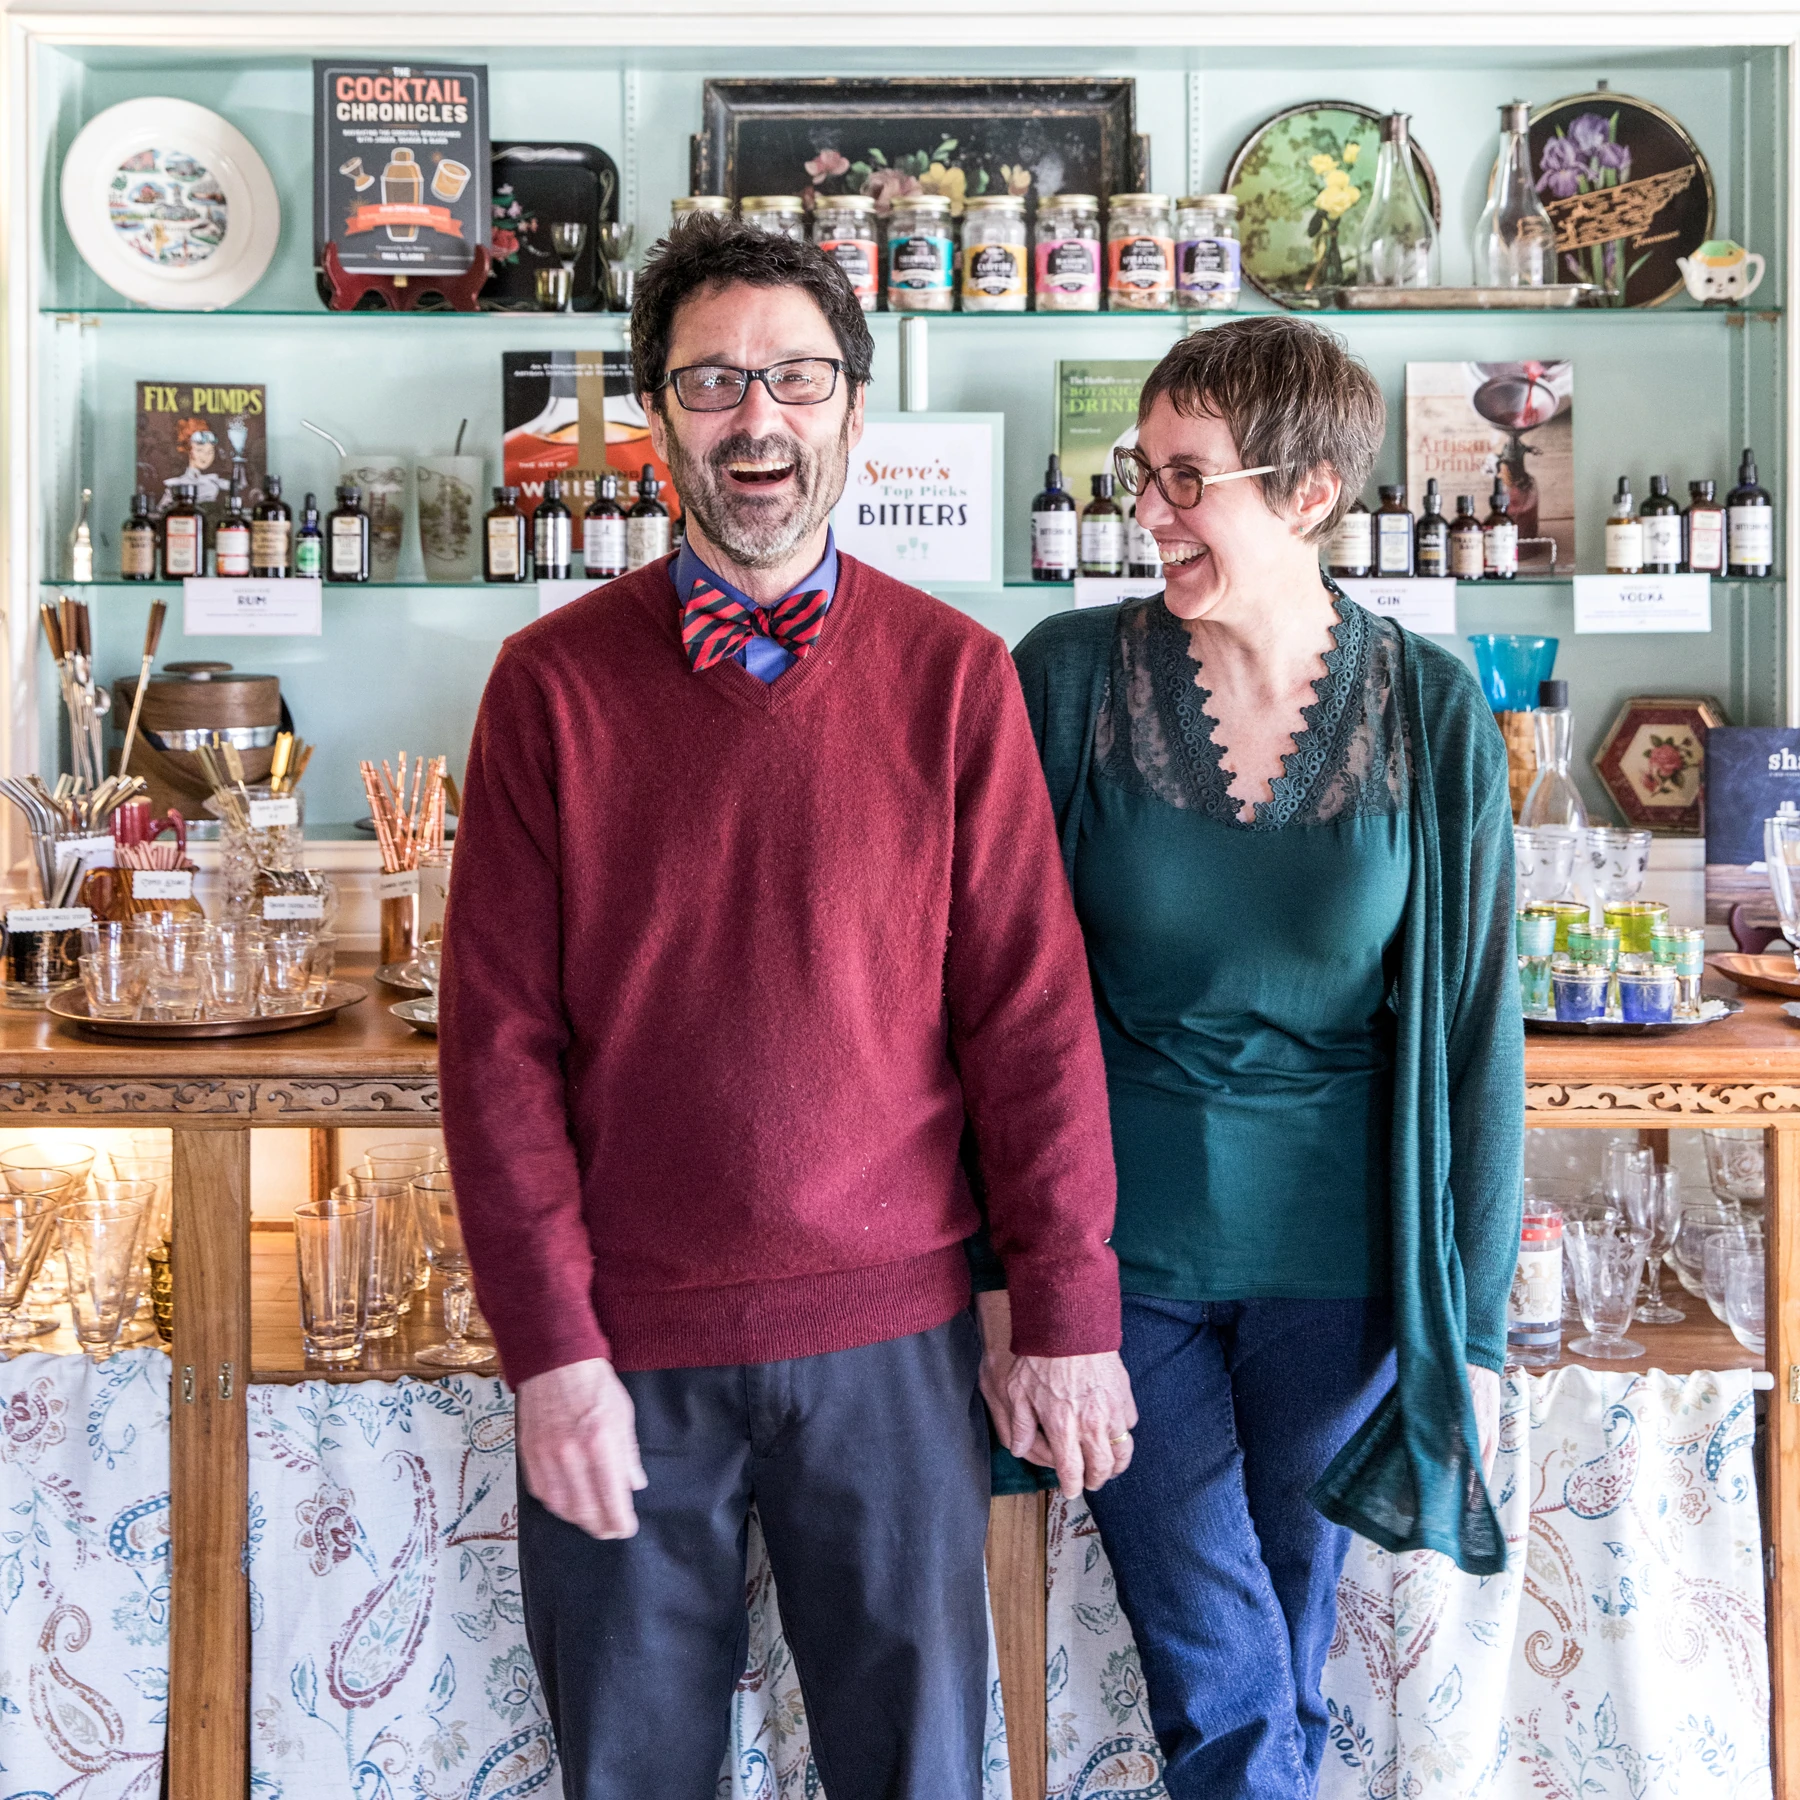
1711, 1012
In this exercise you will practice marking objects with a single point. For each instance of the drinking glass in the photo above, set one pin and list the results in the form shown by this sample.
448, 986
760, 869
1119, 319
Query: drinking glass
393, 1251
286, 971
1623, 1162
1746, 1293
1653, 1209
231, 979
1721, 1245
114, 985
1636, 922
174, 946
1781, 856
1546, 861
1699, 1218
27, 1225
402, 1162
157, 1168
331, 1244
452, 498
434, 1199
29, 1167
1734, 1162
1609, 1264
102, 1247
1618, 862
116, 1187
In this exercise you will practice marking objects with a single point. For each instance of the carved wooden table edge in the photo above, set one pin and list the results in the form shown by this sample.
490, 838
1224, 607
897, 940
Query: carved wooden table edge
288, 1100
1658, 1102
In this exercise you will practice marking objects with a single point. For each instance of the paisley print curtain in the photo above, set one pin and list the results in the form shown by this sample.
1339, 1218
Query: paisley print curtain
1621, 1656
388, 1652
84, 1575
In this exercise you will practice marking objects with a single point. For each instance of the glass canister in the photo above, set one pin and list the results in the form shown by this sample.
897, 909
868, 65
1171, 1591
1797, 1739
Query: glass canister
1066, 253
267, 833
1207, 253
993, 254
1140, 253
921, 255
690, 206
781, 215
844, 228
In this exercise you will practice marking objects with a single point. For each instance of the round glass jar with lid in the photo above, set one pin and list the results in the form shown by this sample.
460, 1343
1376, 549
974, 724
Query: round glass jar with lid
1140, 253
993, 254
690, 206
1066, 254
1207, 253
921, 255
844, 228
781, 215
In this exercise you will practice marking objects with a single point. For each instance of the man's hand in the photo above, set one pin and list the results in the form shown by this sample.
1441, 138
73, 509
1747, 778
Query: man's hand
1073, 1413
578, 1441
1484, 1387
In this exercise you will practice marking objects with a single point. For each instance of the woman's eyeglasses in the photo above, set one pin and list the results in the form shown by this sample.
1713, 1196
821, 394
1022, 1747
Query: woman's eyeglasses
717, 387
1178, 484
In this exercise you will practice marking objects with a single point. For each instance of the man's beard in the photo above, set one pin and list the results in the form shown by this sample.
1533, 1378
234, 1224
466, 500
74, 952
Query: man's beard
758, 533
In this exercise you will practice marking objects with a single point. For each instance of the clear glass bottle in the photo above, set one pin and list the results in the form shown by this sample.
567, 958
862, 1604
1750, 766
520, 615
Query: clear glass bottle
1515, 242
781, 215
1398, 244
844, 228
1431, 541
994, 254
81, 542
1140, 253
1661, 520
1393, 534
1350, 551
1055, 529
1553, 803
1624, 533
1066, 254
921, 272
1208, 256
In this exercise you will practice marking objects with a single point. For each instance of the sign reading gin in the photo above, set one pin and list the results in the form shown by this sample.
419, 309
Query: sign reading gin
400, 166
920, 499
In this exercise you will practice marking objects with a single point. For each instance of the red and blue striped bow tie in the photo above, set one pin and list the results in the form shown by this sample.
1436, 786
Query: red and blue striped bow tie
715, 626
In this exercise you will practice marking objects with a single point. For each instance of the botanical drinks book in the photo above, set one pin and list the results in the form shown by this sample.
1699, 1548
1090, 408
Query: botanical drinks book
1096, 409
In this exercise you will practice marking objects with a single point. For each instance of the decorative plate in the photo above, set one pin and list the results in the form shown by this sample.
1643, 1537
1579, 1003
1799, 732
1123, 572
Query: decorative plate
1760, 974
1302, 181
421, 1015
170, 205
1711, 1012
1653, 760
71, 1005
1628, 191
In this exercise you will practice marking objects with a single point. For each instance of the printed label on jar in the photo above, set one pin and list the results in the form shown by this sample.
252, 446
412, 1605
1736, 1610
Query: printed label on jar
137, 555
293, 906
1102, 542
307, 556
346, 546
856, 257
1140, 546
162, 884
1467, 556
1207, 265
603, 546
48, 918
1662, 538
503, 546
94, 852
920, 264
551, 537
1706, 543
1393, 544
181, 546
231, 550
1536, 1296
1500, 549
1053, 541
1069, 266
994, 271
269, 539
646, 540
1352, 544
1141, 265
279, 809
398, 884
1751, 535
1625, 548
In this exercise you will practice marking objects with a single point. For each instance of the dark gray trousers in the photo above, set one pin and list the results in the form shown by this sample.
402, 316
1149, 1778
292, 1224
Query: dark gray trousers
869, 1470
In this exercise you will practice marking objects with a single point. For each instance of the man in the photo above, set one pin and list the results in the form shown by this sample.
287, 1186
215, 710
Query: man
756, 901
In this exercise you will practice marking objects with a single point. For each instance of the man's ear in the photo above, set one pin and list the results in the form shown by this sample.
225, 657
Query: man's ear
659, 426
857, 415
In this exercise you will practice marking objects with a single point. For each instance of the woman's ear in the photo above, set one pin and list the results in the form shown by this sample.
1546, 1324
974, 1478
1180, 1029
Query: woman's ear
1311, 502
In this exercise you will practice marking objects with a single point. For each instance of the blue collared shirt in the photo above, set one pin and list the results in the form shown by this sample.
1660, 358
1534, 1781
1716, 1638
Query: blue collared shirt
762, 656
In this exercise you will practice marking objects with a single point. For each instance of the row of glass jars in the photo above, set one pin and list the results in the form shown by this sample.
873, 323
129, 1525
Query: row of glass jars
1154, 256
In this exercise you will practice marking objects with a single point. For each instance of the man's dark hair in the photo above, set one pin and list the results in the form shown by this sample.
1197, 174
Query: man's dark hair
710, 251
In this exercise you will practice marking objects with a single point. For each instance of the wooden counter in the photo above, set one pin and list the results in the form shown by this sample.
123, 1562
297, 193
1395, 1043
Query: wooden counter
237, 1320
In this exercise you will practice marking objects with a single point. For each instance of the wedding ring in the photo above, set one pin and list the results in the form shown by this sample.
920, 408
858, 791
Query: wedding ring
1123, 1435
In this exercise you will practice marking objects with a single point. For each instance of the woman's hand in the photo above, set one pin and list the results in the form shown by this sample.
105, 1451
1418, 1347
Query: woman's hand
1484, 1389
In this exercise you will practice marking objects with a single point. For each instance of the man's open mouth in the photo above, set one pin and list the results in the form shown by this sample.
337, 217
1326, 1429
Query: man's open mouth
758, 474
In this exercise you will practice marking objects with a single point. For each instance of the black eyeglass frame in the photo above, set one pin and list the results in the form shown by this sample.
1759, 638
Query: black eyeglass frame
835, 363
1131, 468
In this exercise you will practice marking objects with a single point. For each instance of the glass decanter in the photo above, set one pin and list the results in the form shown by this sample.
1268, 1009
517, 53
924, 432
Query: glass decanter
1515, 242
1398, 245
1553, 808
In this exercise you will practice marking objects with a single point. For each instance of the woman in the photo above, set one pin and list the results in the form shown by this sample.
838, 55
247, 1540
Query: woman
1287, 829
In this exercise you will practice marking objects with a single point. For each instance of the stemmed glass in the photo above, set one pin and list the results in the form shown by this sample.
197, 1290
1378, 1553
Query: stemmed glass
1653, 1206
1781, 853
615, 246
102, 1246
435, 1200
1546, 863
566, 239
1609, 1264
27, 1224
31, 1168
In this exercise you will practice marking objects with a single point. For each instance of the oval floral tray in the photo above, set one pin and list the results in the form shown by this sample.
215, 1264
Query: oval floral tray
71, 1004
1711, 1012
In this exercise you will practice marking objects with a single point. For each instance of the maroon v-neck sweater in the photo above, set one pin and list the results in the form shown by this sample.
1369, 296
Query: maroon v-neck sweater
725, 964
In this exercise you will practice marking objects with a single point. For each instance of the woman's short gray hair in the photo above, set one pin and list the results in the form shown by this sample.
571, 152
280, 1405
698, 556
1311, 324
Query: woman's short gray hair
1291, 394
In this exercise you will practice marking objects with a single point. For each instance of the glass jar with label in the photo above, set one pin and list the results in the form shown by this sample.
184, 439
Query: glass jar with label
921, 255
993, 256
690, 206
1066, 253
844, 228
1207, 253
1140, 253
781, 215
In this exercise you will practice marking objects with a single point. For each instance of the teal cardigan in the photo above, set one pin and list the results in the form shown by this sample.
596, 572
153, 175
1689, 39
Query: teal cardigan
1411, 1477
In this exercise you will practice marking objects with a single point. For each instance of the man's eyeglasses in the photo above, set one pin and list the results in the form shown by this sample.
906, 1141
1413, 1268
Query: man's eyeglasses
717, 387
1178, 484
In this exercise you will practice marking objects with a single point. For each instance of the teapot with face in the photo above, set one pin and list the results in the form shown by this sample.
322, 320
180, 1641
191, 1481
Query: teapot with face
1720, 271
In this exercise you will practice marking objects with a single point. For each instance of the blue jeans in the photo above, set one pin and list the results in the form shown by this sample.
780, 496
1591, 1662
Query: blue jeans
1226, 1572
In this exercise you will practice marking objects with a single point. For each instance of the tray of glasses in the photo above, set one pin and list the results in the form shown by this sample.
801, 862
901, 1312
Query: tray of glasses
72, 1005
1760, 974
1711, 1012
1465, 299
421, 1015
404, 977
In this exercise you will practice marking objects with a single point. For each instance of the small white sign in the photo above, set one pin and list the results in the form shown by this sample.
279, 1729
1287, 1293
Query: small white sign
1420, 603
397, 885
222, 607
48, 918
293, 906
265, 815
1643, 603
1104, 590
552, 594
162, 884
920, 501
92, 852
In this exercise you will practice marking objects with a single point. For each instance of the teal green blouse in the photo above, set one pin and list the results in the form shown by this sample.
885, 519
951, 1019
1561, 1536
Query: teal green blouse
1411, 1477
